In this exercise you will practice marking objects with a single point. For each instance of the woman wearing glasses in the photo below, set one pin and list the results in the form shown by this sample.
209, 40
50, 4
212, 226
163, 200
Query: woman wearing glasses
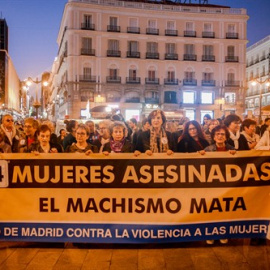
192, 138
82, 146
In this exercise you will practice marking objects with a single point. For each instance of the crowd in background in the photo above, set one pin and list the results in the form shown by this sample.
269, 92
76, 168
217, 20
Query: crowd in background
153, 135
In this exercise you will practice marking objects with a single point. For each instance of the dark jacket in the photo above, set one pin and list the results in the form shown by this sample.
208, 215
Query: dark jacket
69, 140
143, 142
35, 146
243, 144
189, 145
74, 148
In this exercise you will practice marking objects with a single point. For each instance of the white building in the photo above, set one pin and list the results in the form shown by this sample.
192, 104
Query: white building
257, 74
185, 59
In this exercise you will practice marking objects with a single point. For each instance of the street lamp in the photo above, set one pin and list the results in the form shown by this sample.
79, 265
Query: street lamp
28, 83
261, 81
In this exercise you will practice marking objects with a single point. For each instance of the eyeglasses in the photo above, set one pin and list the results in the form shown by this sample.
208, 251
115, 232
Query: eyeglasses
80, 134
220, 134
9, 120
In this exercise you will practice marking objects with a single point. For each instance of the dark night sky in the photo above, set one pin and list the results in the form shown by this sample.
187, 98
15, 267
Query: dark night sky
34, 25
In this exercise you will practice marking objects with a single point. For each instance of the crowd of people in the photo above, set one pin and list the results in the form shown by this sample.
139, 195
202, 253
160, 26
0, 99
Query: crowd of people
153, 135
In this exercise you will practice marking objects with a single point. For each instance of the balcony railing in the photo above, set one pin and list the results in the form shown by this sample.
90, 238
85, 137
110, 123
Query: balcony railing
133, 30
190, 57
170, 32
192, 82
206, 34
113, 53
133, 100
171, 56
152, 100
208, 58
208, 82
114, 79
232, 83
88, 26
132, 54
88, 51
231, 58
151, 55
152, 80
232, 35
133, 80
169, 81
113, 28
189, 33
87, 78
152, 31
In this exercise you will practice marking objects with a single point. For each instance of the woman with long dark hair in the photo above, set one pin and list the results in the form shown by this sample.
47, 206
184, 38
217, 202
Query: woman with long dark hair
192, 138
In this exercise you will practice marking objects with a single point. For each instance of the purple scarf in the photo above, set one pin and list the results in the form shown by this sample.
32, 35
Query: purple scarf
116, 147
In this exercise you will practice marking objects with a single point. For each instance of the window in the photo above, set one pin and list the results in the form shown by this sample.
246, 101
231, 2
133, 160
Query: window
189, 49
133, 73
231, 77
152, 47
190, 114
133, 46
113, 45
230, 51
133, 22
170, 48
207, 27
189, 76
113, 73
170, 97
87, 72
229, 97
231, 28
208, 50
152, 24
87, 19
206, 98
87, 43
171, 75
113, 21
208, 76
189, 26
151, 75
170, 25
188, 97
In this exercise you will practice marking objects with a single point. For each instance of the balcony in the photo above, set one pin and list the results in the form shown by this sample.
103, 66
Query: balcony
208, 58
133, 80
133, 100
88, 51
152, 100
113, 53
208, 83
206, 34
169, 81
152, 31
133, 54
114, 79
151, 55
231, 59
232, 35
87, 78
171, 56
152, 80
192, 82
232, 83
113, 28
190, 57
88, 26
169, 32
189, 33
133, 30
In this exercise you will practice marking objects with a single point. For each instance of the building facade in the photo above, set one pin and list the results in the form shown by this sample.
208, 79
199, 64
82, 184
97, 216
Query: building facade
187, 60
258, 83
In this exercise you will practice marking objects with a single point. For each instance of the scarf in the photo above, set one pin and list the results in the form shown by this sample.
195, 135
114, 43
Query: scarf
103, 142
235, 139
158, 142
251, 139
116, 146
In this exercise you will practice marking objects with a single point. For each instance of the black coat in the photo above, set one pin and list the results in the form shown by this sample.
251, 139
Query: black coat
127, 147
143, 141
243, 144
189, 145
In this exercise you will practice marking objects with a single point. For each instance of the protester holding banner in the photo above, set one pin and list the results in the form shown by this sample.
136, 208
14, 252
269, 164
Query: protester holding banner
249, 129
192, 139
11, 134
104, 135
156, 139
237, 140
30, 127
118, 142
43, 144
81, 145
264, 142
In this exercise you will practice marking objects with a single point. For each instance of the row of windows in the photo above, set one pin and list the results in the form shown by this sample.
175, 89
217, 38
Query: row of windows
152, 27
